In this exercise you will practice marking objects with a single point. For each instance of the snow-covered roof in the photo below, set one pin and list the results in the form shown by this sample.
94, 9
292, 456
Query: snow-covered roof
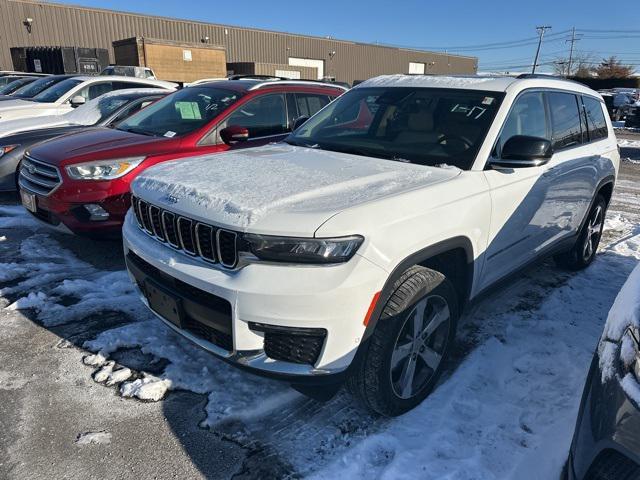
497, 83
473, 82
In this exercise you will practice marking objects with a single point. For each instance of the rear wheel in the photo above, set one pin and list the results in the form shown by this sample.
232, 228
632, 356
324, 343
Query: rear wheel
584, 251
406, 353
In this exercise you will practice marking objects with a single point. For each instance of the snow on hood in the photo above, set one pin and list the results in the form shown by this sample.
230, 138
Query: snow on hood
615, 346
242, 188
17, 103
13, 126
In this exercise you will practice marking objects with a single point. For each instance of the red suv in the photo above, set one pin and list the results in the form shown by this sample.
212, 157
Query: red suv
82, 180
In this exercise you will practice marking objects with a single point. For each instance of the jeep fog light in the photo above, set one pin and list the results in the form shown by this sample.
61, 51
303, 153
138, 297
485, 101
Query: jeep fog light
96, 212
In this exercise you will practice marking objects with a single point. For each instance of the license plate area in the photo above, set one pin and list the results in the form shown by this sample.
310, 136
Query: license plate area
165, 304
29, 201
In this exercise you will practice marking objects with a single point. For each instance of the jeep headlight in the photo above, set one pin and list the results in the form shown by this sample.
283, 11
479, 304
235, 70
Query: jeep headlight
103, 169
302, 250
6, 149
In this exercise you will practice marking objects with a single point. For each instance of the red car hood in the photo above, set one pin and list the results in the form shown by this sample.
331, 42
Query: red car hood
101, 143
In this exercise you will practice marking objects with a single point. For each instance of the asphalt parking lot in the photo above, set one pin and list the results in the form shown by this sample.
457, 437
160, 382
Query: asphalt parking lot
61, 418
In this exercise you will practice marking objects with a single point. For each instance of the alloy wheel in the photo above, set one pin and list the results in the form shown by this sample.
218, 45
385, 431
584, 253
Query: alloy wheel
420, 346
594, 230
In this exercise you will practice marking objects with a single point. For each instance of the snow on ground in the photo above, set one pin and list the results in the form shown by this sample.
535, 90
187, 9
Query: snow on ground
505, 410
626, 143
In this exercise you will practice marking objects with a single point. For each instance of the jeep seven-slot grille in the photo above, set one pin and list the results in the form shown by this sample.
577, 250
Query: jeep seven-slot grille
214, 245
38, 177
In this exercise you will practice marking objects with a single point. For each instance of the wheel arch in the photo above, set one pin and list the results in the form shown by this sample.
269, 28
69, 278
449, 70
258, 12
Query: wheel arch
453, 258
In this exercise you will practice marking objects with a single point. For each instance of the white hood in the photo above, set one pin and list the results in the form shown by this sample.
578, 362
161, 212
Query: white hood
278, 189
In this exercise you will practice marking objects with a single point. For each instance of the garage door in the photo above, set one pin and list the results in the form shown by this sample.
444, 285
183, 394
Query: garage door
308, 62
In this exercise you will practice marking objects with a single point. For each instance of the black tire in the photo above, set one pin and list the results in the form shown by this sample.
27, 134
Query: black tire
372, 380
581, 254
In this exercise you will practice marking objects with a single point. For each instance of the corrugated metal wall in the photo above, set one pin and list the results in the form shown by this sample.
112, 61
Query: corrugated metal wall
63, 25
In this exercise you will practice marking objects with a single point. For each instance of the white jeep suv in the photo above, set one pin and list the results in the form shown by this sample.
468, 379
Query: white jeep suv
348, 252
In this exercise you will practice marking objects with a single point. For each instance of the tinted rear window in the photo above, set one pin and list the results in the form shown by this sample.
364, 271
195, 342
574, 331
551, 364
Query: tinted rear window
596, 123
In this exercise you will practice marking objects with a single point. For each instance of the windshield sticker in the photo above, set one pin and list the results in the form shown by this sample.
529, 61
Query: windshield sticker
170, 134
487, 100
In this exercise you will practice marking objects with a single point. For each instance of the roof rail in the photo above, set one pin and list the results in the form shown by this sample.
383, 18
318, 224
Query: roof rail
297, 82
542, 76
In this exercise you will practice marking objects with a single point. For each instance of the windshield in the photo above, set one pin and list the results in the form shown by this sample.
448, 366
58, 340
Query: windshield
36, 87
13, 86
53, 93
96, 110
426, 126
180, 113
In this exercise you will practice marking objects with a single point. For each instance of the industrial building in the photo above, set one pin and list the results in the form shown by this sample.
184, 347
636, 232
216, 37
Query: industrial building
34, 23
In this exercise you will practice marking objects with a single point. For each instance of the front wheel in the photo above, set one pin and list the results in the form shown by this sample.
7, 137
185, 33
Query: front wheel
584, 251
406, 353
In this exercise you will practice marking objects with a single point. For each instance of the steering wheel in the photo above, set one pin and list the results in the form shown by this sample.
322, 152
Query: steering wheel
454, 142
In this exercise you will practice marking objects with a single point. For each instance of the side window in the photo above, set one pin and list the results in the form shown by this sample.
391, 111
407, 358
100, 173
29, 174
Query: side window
596, 123
262, 116
309, 103
95, 90
130, 110
565, 120
527, 117
121, 85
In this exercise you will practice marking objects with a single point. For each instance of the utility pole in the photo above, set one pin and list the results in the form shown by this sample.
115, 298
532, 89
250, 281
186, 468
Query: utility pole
540, 31
572, 40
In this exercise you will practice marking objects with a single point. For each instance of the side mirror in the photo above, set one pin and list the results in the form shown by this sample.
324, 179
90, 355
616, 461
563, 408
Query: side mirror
522, 151
233, 134
299, 122
77, 101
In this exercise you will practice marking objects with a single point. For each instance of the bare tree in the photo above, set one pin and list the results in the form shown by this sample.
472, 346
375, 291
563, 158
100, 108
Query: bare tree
613, 68
581, 66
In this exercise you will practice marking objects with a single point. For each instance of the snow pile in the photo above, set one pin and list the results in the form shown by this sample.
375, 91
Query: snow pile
98, 438
34, 300
148, 388
16, 217
243, 187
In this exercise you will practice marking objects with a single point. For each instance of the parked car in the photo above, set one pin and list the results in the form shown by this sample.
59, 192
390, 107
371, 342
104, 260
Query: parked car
15, 83
71, 93
347, 252
6, 75
38, 86
129, 71
105, 111
606, 442
81, 181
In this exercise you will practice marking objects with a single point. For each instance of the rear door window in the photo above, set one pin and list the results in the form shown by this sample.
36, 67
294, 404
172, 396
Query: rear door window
309, 103
596, 123
565, 120
263, 116
95, 90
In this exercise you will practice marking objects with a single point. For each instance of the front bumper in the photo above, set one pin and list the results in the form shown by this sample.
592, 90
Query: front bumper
64, 210
333, 298
606, 443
